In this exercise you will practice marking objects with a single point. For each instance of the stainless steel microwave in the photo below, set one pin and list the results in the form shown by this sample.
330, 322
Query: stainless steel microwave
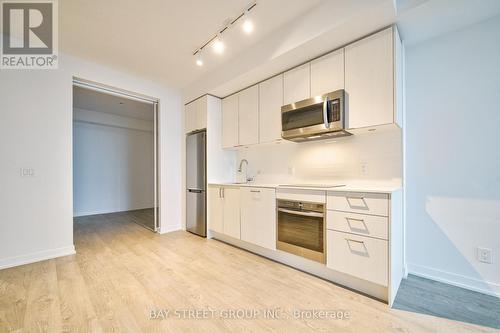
316, 118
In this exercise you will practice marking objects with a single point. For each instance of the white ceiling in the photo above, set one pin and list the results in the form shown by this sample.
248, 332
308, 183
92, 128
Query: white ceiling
92, 100
156, 38
420, 20
328, 25
332, 24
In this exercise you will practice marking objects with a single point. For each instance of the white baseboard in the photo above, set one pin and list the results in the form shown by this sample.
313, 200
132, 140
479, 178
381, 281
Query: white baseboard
37, 256
169, 228
484, 287
108, 211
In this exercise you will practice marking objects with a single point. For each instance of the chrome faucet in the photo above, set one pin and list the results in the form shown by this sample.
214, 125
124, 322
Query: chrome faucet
241, 164
240, 169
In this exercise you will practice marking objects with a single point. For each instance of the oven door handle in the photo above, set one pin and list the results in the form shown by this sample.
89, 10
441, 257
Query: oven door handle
301, 213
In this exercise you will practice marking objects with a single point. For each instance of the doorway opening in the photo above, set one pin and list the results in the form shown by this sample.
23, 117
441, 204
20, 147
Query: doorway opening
115, 155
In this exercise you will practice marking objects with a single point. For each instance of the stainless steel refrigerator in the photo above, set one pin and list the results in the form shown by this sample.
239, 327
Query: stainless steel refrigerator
196, 221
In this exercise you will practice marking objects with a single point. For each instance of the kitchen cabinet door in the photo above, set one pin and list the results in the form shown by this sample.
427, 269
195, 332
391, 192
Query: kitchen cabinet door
201, 113
248, 116
270, 102
327, 73
363, 257
231, 198
258, 216
215, 210
230, 121
190, 117
369, 80
297, 84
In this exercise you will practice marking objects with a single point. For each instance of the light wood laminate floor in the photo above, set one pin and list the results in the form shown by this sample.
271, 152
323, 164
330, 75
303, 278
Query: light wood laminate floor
122, 271
144, 217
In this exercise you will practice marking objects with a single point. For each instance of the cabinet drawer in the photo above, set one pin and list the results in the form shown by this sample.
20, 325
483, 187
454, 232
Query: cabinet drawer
362, 257
301, 195
361, 224
364, 203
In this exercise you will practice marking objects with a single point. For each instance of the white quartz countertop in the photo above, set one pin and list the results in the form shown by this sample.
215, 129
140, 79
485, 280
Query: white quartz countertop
349, 186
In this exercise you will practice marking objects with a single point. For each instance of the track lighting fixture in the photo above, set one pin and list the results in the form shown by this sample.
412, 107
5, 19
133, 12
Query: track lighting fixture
217, 42
199, 58
247, 23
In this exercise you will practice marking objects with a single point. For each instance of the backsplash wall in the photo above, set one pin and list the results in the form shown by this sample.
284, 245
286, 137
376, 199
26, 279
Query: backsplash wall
369, 156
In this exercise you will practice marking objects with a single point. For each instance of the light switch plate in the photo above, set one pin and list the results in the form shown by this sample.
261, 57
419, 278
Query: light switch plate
27, 172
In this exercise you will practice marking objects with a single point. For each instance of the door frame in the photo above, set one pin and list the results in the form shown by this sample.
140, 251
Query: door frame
110, 90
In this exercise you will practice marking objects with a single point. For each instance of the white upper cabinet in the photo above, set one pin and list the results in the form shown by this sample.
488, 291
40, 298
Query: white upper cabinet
248, 116
327, 73
270, 102
230, 121
196, 115
190, 117
369, 80
369, 70
201, 112
297, 84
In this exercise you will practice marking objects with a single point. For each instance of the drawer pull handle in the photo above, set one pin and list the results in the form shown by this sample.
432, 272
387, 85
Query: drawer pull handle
363, 253
254, 191
364, 229
354, 240
364, 206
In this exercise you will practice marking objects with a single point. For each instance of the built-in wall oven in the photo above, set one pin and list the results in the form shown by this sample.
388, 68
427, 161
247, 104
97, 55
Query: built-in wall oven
301, 229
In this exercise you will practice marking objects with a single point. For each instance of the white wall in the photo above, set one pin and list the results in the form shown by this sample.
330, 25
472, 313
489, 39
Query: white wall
323, 161
36, 131
112, 164
453, 156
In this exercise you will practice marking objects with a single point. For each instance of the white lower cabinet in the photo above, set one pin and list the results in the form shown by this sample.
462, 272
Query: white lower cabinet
258, 216
231, 198
363, 232
363, 203
358, 235
224, 210
363, 257
360, 224
215, 209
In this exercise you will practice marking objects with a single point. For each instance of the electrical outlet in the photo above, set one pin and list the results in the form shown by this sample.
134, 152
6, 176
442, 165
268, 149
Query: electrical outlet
291, 170
484, 255
364, 168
